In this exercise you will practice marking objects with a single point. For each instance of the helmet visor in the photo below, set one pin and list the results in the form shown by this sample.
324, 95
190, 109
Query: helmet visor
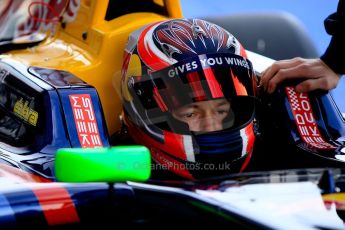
201, 94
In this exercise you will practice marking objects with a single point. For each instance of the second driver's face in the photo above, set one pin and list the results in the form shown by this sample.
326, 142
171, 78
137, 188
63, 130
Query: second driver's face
204, 116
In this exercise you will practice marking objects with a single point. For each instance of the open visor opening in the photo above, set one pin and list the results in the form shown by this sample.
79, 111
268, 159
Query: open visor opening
201, 94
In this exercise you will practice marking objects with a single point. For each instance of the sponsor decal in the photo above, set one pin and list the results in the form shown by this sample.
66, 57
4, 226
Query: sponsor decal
21, 109
22, 18
85, 120
305, 121
207, 62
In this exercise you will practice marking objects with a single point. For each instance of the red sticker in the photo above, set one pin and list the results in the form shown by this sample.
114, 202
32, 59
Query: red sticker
305, 121
85, 120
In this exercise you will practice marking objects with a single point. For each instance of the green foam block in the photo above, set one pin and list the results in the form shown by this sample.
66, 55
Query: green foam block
115, 164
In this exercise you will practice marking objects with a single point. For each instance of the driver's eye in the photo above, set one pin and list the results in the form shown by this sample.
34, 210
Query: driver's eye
189, 115
221, 112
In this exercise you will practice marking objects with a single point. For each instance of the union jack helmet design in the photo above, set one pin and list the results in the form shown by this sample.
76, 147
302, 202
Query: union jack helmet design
187, 89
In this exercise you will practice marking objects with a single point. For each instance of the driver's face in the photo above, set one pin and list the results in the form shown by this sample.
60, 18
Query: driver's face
205, 116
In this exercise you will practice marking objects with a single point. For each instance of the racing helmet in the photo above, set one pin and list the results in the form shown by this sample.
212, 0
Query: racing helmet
188, 94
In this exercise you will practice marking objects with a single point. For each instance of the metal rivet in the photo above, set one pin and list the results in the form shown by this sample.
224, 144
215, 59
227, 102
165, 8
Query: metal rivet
84, 35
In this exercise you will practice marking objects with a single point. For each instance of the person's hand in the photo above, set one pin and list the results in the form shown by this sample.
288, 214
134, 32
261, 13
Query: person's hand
316, 75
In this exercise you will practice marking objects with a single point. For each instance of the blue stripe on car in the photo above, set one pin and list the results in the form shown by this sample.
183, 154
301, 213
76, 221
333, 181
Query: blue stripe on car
7, 218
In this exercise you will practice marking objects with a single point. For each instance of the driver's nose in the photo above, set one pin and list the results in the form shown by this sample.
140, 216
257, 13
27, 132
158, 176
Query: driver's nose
209, 123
